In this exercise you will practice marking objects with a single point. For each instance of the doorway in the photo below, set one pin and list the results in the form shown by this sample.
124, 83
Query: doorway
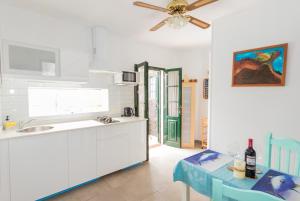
154, 105
158, 98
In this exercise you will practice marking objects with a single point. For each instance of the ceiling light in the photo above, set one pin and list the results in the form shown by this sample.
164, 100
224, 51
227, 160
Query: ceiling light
177, 21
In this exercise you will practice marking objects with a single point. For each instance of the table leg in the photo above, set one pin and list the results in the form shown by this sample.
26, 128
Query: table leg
185, 193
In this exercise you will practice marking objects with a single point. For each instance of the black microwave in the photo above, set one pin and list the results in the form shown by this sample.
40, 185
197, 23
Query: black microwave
128, 76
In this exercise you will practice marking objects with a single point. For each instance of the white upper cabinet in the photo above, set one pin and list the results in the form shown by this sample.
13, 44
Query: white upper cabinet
101, 49
82, 155
111, 52
28, 60
63, 46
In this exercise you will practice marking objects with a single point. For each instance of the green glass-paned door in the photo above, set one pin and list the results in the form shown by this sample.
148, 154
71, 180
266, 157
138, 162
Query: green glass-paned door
141, 96
173, 107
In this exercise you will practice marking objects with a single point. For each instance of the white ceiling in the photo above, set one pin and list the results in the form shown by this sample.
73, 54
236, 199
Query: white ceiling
121, 16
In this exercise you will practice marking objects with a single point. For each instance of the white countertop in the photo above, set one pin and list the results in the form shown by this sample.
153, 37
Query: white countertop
59, 127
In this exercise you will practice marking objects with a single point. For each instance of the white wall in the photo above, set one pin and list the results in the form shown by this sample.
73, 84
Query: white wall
33, 28
239, 113
195, 64
116, 52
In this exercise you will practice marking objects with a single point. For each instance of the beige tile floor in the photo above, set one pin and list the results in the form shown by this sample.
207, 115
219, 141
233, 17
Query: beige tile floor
151, 181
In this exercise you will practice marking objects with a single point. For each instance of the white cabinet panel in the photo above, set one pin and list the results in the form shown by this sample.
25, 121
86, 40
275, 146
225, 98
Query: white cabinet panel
109, 46
112, 149
30, 61
38, 166
120, 146
111, 131
4, 172
82, 155
138, 144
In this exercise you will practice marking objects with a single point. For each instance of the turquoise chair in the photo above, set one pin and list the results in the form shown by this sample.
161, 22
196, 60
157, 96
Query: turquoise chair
221, 191
289, 146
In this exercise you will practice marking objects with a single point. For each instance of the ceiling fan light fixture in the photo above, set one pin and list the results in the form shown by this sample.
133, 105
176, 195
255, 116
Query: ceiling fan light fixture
177, 10
177, 21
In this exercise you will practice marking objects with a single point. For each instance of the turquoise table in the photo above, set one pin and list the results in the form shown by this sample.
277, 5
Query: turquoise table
194, 175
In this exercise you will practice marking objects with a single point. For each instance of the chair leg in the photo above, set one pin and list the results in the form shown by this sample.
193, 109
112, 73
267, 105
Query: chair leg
185, 193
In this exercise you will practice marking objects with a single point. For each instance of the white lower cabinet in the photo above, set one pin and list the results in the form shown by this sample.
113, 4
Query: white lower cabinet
137, 141
112, 149
82, 155
35, 167
38, 166
4, 172
120, 146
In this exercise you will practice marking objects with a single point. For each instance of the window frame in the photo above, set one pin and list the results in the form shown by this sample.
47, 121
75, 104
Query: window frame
66, 114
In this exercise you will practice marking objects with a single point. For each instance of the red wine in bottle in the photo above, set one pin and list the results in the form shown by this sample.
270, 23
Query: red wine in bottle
250, 159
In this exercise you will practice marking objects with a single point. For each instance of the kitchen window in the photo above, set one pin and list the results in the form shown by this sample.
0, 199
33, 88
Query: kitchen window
65, 101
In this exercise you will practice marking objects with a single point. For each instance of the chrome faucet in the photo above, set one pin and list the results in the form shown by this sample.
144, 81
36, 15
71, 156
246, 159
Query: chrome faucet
23, 124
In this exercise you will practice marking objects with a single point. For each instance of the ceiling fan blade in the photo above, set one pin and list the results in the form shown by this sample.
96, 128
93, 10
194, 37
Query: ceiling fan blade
198, 22
145, 5
198, 4
159, 25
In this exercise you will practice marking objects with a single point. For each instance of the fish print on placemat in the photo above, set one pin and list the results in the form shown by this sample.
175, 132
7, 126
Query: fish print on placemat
209, 160
279, 184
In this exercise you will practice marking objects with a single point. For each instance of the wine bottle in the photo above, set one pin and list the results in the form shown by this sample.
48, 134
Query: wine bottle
250, 159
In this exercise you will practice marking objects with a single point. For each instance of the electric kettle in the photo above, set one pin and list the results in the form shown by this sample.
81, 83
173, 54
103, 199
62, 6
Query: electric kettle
128, 112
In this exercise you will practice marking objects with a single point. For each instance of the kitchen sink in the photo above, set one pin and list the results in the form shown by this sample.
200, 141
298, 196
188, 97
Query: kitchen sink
35, 129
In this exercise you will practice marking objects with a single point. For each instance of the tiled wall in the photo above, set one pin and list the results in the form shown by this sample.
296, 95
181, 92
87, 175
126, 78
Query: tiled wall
14, 97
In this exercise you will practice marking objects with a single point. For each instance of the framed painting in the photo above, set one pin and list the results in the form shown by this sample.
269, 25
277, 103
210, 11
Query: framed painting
264, 66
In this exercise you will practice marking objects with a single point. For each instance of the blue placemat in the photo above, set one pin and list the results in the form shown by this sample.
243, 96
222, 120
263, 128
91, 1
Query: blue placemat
196, 171
227, 177
280, 185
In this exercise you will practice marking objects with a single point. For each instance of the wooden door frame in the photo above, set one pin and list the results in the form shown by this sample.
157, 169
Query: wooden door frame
187, 84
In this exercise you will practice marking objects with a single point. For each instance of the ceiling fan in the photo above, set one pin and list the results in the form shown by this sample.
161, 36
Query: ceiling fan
178, 9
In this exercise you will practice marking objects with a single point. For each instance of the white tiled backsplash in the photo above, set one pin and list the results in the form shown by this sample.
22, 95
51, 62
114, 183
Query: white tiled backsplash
14, 97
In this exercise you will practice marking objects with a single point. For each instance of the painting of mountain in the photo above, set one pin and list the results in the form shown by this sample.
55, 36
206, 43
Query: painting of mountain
260, 67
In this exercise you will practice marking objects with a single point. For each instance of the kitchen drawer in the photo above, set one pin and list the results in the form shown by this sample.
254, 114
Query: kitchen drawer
113, 130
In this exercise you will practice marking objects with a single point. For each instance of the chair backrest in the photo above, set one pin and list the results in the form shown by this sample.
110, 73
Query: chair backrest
220, 191
283, 149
